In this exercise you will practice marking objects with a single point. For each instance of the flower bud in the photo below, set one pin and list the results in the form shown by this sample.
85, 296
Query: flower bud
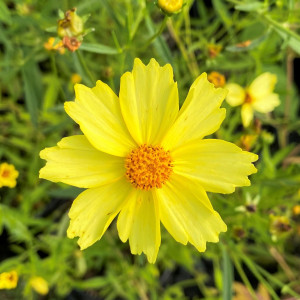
170, 6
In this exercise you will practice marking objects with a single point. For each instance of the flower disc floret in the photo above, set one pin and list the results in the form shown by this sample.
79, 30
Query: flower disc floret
148, 167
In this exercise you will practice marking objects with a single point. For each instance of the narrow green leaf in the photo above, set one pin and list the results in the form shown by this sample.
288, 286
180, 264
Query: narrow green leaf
227, 271
99, 48
247, 46
253, 6
33, 89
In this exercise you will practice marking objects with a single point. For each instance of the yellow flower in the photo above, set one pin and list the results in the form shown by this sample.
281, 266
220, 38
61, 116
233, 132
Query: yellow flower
8, 280
75, 78
214, 50
49, 45
170, 6
296, 210
217, 79
40, 285
142, 158
8, 175
258, 96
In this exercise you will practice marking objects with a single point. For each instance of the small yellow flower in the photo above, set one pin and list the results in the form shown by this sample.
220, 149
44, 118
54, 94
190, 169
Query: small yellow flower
8, 175
279, 225
247, 141
217, 79
49, 45
76, 78
296, 210
258, 96
170, 6
40, 285
146, 160
8, 280
214, 50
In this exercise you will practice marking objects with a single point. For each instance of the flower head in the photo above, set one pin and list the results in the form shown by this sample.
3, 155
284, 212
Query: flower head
51, 46
217, 79
8, 280
71, 25
8, 175
76, 78
258, 96
170, 6
143, 159
40, 285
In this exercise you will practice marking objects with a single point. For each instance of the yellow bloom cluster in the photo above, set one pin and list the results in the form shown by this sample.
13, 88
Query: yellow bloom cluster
49, 45
143, 159
258, 96
40, 285
8, 175
8, 280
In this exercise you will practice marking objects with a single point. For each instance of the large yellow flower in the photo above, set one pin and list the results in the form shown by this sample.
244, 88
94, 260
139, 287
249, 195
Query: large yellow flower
258, 96
142, 158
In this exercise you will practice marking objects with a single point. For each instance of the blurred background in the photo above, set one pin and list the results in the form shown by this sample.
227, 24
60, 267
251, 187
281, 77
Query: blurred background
47, 46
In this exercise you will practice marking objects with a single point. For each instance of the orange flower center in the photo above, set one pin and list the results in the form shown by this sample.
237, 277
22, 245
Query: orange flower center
148, 167
5, 173
248, 98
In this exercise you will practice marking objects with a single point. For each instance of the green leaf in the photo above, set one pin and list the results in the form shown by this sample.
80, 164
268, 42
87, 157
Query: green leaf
5, 14
227, 275
99, 48
252, 44
32, 86
252, 6
93, 283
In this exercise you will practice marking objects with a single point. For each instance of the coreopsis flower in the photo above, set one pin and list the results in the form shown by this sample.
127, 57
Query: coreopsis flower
217, 79
40, 285
8, 175
51, 46
258, 96
8, 280
170, 6
296, 210
279, 226
214, 50
71, 30
146, 160
76, 78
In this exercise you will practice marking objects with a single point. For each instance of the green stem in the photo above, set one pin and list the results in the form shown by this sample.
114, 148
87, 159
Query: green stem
158, 33
243, 276
84, 66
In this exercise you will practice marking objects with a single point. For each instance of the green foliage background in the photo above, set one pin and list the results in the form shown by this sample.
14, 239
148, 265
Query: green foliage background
34, 84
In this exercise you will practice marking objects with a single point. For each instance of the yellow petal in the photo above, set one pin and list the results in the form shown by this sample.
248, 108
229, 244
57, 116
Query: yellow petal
200, 114
247, 114
262, 86
139, 221
76, 162
266, 104
94, 209
187, 214
98, 113
149, 101
219, 166
236, 94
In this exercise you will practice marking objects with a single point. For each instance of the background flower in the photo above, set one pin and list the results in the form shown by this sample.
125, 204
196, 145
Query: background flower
259, 96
